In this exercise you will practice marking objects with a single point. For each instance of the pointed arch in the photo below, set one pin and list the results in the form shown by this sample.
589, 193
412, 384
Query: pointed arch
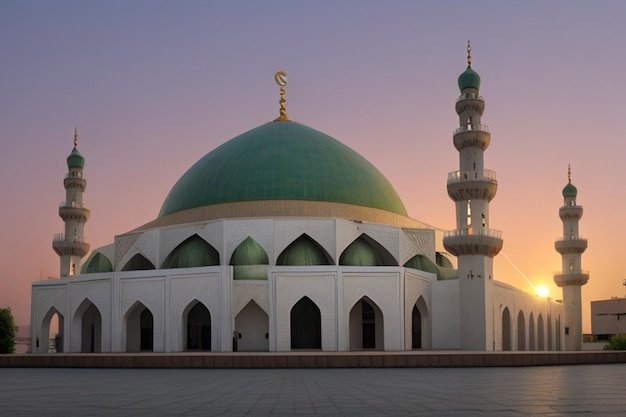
540, 337
506, 329
139, 328
531, 332
249, 260
443, 261
197, 327
193, 252
419, 324
549, 328
97, 262
304, 251
50, 342
366, 326
138, 263
422, 263
521, 331
306, 325
365, 251
252, 329
88, 322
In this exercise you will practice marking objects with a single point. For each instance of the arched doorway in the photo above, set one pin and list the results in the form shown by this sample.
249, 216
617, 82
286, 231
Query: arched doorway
89, 321
366, 326
306, 325
252, 329
521, 332
51, 339
420, 337
139, 329
531, 332
197, 327
549, 328
506, 329
540, 340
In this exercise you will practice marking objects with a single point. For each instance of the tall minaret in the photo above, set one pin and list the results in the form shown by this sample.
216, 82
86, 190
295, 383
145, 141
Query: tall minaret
71, 246
572, 277
475, 244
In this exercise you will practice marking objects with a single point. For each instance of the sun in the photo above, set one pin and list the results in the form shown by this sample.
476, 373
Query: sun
542, 291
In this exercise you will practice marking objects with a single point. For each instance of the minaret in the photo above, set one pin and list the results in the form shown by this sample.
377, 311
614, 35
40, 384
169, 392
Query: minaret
473, 242
71, 246
572, 277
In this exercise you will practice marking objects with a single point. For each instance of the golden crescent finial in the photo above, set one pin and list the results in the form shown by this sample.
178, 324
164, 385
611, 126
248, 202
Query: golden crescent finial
469, 54
569, 174
281, 79
75, 136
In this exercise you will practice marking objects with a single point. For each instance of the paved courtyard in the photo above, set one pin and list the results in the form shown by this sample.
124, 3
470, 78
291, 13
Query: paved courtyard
538, 391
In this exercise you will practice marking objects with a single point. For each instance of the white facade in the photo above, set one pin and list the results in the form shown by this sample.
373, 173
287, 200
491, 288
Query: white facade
258, 312
341, 271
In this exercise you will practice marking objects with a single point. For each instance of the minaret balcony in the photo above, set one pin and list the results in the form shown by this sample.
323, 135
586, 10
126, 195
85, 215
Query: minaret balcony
562, 279
472, 185
470, 241
470, 101
570, 244
72, 211
571, 212
74, 181
472, 135
70, 246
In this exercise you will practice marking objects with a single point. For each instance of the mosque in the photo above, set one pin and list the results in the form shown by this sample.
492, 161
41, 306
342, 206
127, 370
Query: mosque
285, 239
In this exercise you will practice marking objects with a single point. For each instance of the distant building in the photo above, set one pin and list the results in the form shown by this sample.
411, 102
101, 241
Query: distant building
285, 239
608, 317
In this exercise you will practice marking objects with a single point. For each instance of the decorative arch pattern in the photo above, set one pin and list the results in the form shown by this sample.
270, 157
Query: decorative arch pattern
249, 260
304, 251
365, 251
97, 263
193, 252
197, 327
138, 263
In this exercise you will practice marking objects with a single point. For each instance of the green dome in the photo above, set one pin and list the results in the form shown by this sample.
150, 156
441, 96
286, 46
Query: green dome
469, 79
282, 160
75, 159
570, 190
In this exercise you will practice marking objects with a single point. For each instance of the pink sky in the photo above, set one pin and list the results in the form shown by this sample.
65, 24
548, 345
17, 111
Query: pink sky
155, 85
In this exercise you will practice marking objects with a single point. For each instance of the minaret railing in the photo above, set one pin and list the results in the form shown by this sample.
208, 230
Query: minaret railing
472, 175
471, 128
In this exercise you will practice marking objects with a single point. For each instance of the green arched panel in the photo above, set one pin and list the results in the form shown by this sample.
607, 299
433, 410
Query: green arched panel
192, 253
249, 260
304, 251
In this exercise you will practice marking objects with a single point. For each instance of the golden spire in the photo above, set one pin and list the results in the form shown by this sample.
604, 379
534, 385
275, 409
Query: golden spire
469, 54
569, 174
75, 137
281, 79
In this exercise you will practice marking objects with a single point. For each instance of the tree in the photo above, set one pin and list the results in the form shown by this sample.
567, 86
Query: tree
616, 342
7, 331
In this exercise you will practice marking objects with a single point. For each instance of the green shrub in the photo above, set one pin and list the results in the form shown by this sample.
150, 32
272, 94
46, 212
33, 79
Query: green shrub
7, 331
616, 342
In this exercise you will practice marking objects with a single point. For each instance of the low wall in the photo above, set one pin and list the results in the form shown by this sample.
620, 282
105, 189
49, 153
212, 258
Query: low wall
309, 359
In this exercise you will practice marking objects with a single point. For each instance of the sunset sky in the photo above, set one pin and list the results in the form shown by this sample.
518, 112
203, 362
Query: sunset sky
154, 85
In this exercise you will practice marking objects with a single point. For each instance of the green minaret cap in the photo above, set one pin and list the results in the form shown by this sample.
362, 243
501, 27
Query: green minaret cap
469, 78
75, 159
569, 190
